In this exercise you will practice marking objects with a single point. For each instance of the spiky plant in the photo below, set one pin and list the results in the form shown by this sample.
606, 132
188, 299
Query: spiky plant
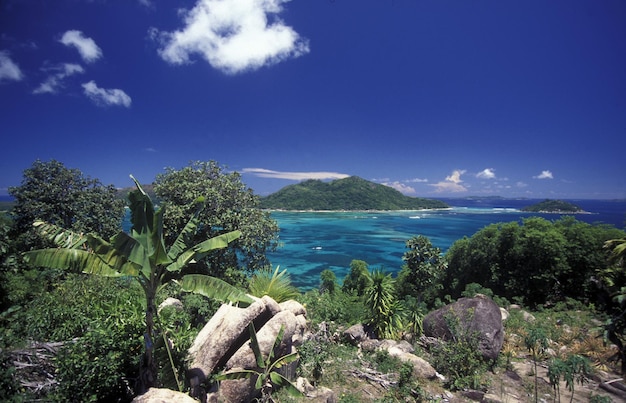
276, 285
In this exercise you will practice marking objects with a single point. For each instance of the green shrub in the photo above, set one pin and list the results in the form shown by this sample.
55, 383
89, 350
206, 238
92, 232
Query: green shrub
459, 359
338, 307
102, 365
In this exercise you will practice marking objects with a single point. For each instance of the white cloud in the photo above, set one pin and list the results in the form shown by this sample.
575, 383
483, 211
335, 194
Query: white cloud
89, 51
55, 81
487, 173
9, 70
417, 180
401, 187
544, 175
521, 184
452, 183
233, 35
105, 97
296, 176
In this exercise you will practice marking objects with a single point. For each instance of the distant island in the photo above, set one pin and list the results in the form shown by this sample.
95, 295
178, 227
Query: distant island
553, 206
352, 193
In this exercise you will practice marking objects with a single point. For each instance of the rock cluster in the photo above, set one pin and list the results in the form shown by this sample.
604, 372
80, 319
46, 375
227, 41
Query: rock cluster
223, 343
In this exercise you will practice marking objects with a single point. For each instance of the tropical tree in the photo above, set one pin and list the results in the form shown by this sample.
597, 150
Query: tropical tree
140, 255
358, 279
230, 205
385, 310
64, 197
423, 269
328, 281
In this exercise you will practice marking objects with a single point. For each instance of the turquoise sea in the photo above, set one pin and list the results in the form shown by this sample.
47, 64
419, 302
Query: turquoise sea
314, 241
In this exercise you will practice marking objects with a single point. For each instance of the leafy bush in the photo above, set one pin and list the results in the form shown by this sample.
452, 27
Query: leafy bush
338, 307
102, 365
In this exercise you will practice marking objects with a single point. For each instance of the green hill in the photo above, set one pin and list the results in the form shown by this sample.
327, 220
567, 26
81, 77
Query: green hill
351, 193
553, 206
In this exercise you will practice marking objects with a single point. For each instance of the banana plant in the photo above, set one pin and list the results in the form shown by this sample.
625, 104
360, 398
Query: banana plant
141, 255
267, 377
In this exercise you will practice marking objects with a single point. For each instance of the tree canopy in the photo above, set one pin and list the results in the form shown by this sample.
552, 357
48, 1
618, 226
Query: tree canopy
230, 205
536, 261
64, 197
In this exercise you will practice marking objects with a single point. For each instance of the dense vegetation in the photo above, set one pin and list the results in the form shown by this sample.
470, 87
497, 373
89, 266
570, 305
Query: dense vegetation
351, 193
567, 271
553, 206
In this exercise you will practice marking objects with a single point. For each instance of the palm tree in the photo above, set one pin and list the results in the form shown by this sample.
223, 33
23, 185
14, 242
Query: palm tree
141, 255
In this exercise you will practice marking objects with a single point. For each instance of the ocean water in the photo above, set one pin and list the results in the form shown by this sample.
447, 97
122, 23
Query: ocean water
315, 241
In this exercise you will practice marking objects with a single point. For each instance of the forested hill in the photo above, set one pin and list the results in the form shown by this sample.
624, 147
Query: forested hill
351, 193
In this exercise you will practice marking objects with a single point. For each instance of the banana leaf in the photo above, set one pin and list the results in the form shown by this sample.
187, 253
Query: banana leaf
215, 288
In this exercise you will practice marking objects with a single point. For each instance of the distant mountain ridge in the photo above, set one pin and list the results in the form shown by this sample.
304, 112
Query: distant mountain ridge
352, 193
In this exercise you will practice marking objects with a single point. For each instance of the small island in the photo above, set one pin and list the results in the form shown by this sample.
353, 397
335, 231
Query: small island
554, 206
348, 194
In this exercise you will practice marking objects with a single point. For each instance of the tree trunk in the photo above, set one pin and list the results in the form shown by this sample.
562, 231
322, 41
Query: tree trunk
148, 369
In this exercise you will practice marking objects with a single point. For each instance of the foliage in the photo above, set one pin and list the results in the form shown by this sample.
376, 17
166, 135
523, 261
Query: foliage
64, 197
539, 261
313, 354
414, 312
575, 368
328, 281
358, 279
230, 206
351, 193
459, 359
142, 256
613, 279
424, 266
385, 311
553, 206
275, 284
267, 377
100, 321
536, 342
338, 307
99, 366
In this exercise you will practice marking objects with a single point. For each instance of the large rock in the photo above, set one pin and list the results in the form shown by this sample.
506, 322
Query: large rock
155, 395
223, 343
472, 317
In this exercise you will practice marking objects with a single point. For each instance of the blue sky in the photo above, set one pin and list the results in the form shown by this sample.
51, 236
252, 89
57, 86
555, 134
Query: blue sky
435, 98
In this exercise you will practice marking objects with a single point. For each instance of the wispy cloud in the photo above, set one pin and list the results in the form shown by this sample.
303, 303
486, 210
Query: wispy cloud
106, 97
9, 70
417, 180
544, 175
452, 183
89, 51
296, 176
233, 35
487, 173
55, 81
